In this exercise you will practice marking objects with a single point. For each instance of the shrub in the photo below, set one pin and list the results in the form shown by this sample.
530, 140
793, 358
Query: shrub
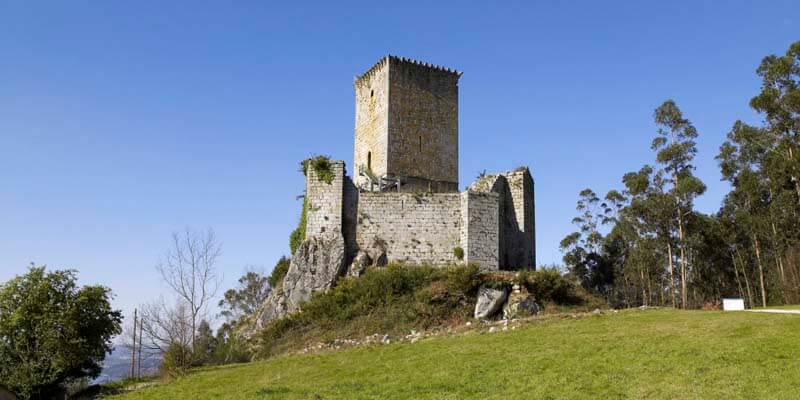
299, 234
280, 270
321, 166
463, 281
385, 300
547, 284
177, 360
458, 252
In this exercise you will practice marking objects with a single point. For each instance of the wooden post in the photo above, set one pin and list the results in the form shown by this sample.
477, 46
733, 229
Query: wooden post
140, 348
133, 348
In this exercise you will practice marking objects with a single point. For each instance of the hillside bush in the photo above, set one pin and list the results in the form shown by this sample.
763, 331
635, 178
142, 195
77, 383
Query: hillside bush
398, 298
280, 270
177, 360
298, 235
547, 284
388, 300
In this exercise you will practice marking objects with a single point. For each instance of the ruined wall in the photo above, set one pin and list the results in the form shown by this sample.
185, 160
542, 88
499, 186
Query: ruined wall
423, 124
523, 252
325, 201
417, 229
480, 228
517, 219
372, 120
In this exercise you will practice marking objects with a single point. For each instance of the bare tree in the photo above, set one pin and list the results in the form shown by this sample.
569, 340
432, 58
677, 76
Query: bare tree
189, 270
165, 325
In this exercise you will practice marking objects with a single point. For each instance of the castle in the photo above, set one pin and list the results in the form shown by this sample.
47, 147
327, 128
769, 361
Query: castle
403, 198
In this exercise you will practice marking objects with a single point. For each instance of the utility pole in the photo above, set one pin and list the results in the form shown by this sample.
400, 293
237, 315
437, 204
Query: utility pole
141, 327
133, 348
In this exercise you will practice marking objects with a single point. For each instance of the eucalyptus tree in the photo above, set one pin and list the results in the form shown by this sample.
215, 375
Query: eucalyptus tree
583, 249
675, 150
651, 212
779, 102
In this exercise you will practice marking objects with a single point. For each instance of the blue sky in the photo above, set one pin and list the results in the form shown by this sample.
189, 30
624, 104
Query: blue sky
121, 122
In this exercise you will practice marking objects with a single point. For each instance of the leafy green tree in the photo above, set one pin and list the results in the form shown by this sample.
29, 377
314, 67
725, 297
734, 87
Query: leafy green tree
53, 332
675, 150
205, 345
230, 347
583, 249
280, 270
779, 101
247, 297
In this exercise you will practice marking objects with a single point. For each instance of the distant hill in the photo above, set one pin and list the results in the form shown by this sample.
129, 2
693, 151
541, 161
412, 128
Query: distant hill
117, 365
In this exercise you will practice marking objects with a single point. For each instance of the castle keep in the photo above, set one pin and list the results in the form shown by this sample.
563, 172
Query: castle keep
403, 201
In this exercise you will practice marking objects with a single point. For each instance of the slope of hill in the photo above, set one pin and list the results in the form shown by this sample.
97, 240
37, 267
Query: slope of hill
631, 354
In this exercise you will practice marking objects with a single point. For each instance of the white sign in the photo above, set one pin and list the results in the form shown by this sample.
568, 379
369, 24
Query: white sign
733, 304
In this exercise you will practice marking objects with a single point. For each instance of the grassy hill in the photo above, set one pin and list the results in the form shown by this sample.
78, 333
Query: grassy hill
630, 354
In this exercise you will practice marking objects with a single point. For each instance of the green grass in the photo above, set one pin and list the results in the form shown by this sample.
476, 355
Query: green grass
653, 354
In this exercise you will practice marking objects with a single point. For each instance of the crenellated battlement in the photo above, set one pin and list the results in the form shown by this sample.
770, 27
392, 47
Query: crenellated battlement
397, 60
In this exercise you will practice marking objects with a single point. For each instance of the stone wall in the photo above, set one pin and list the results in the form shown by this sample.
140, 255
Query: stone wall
493, 222
480, 228
520, 184
325, 201
418, 229
517, 218
372, 120
423, 123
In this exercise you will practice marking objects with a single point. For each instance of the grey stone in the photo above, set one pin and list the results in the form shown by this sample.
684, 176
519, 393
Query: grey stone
520, 305
316, 266
376, 251
273, 308
359, 264
489, 301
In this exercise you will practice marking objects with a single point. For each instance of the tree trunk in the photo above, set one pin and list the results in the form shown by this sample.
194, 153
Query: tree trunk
671, 274
746, 281
644, 290
736, 271
684, 296
793, 176
760, 271
777, 251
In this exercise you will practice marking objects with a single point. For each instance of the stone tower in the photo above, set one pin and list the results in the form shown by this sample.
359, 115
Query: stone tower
406, 132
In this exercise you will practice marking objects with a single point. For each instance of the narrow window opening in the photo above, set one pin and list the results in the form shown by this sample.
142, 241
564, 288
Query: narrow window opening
371, 93
420, 143
369, 160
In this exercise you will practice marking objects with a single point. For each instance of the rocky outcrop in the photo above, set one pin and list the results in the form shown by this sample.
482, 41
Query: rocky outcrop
273, 308
520, 304
489, 301
316, 266
373, 255
359, 265
377, 252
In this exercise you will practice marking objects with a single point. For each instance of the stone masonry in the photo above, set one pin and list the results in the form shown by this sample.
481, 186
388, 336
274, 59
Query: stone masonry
407, 124
406, 133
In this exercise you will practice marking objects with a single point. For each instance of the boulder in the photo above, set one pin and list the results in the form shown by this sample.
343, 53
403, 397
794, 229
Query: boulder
359, 264
272, 308
316, 265
520, 306
376, 251
489, 301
